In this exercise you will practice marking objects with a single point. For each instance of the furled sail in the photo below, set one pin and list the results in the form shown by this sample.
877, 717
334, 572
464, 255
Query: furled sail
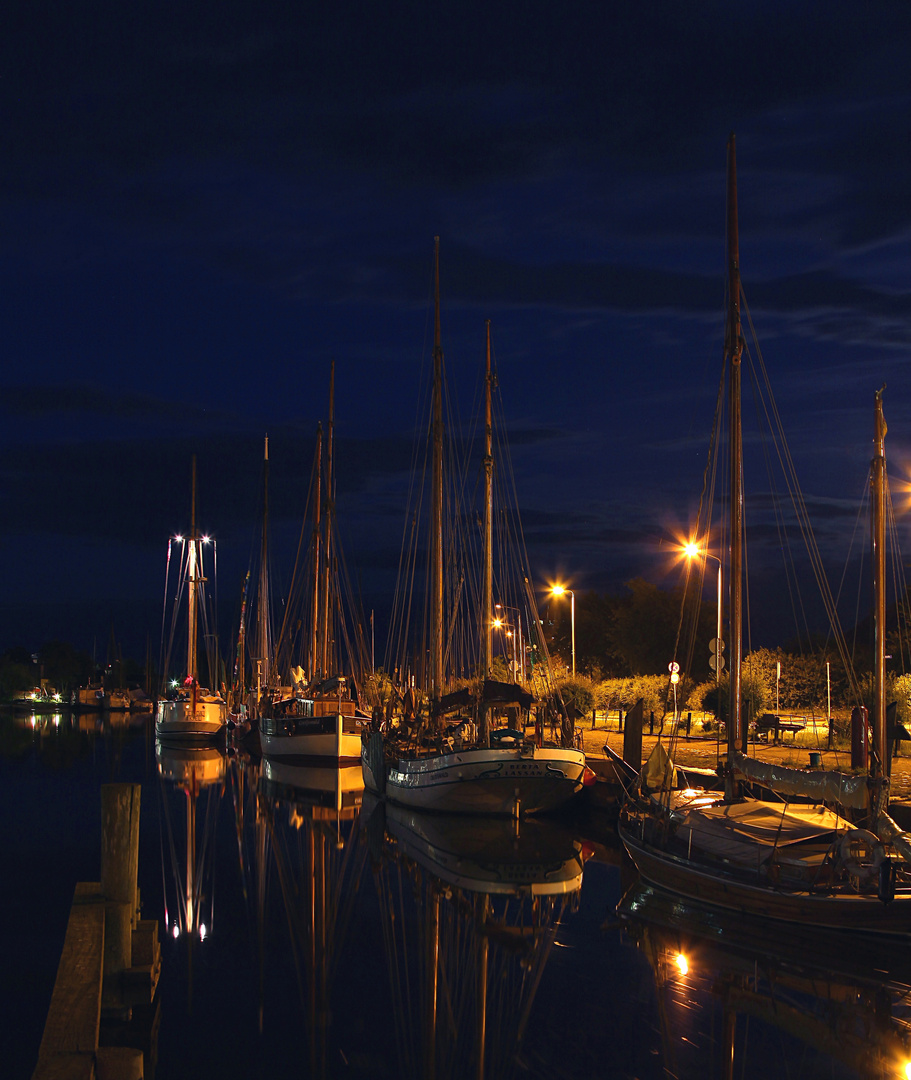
820, 785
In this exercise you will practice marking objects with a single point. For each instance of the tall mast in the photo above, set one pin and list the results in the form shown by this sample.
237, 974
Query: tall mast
487, 591
317, 532
192, 579
327, 542
733, 348
263, 634
436, 537
878, 506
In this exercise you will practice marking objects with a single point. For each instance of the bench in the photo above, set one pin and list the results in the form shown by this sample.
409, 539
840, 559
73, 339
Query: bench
769, 722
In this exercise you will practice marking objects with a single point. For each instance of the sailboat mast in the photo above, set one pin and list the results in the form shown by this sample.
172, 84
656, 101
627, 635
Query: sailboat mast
192, 580
733, 347
487, 589
878, 506
317, 533
327, 544
487, 613
436, 539
262, 607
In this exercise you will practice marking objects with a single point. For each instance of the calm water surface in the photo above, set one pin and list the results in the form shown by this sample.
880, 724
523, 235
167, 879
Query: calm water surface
307, 932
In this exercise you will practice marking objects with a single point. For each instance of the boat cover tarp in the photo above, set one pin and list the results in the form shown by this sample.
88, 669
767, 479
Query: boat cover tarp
506, 694
821, 785
658, 772
750, 831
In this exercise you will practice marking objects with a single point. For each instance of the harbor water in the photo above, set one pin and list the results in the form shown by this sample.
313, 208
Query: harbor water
308, 932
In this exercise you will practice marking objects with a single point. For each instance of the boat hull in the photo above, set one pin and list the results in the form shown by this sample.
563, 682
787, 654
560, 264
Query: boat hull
319, 738
862, 913
179, 720
497, 781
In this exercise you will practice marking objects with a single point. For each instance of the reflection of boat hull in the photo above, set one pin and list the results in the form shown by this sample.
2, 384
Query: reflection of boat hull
497, 781
326, 738
714, 927
678, 874
316, 785
180, 720
182, 765
493, 856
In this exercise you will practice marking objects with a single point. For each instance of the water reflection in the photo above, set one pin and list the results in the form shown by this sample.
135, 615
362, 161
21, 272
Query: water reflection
189, 891
470, 912
740, 996
307, 838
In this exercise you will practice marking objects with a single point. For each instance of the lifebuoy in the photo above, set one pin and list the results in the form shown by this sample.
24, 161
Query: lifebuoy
861, 853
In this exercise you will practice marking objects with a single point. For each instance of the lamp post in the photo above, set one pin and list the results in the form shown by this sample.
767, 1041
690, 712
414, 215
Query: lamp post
518, 651
559, 590
692, 551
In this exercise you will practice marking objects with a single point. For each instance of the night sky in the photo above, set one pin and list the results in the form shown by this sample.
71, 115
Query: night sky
203, 205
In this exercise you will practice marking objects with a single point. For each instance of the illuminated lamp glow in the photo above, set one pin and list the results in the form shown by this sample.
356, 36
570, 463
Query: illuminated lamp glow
202, 931
175, 931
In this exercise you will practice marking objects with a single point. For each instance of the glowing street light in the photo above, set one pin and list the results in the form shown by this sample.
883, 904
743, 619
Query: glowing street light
559, 590
693, 551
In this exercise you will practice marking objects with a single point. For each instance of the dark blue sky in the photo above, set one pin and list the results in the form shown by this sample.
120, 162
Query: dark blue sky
202, 205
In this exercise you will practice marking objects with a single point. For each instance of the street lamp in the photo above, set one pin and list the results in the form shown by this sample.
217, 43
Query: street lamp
518, 651
693, 551
559, 590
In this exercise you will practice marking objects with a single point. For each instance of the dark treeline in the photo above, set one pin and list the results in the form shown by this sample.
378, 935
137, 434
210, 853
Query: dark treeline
62, 667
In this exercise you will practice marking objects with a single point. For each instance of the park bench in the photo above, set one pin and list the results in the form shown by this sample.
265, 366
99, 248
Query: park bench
769, 722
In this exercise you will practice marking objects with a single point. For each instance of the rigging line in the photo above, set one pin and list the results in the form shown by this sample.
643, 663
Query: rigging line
803, 517
294, 586
790, 571
898, 574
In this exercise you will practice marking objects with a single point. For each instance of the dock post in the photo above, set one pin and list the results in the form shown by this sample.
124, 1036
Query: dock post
119, 872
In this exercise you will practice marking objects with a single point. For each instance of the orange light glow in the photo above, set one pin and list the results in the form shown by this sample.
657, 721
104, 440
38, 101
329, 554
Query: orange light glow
682, 966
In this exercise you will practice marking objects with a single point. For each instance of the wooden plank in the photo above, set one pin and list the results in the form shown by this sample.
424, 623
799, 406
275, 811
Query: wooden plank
75, 1013
65, 1067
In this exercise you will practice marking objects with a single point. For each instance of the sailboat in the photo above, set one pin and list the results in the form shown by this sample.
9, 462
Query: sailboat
783, 860
191, 713
470, 769
319, 718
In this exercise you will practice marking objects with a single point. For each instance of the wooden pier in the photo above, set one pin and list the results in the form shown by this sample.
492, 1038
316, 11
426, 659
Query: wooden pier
110, 963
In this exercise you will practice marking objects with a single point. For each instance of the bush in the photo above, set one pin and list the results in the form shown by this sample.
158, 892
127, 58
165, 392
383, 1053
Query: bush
579, 692
752, 692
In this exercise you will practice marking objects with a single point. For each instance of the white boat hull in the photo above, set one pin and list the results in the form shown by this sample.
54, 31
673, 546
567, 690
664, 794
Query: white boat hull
503, 781
179, 720
327, 738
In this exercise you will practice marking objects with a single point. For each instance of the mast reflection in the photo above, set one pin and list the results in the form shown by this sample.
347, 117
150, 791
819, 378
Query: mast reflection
308, 835
471, 910
195, 771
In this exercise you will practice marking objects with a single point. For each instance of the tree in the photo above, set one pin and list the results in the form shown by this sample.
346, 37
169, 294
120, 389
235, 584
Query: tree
646, 630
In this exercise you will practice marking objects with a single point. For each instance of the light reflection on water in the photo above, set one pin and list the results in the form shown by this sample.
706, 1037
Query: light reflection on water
344, 938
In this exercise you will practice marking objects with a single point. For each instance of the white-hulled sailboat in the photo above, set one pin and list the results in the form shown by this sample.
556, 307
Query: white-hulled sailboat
190, 712
318, 720
474, 770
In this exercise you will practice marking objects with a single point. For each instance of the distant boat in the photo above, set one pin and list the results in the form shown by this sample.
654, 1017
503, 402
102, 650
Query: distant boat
88, 698
191, 713
317, 717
